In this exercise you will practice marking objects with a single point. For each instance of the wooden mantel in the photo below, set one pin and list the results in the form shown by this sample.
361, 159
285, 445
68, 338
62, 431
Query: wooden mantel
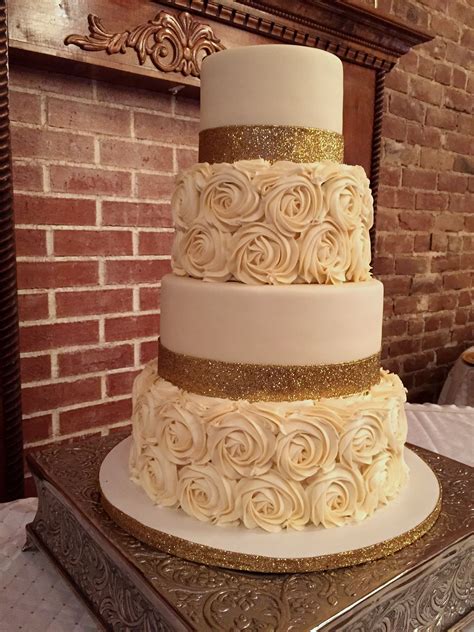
357, 34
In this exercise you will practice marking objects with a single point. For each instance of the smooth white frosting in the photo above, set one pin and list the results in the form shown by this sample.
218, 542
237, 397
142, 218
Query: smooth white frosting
271, 324
261, 223
269, 465
272, 85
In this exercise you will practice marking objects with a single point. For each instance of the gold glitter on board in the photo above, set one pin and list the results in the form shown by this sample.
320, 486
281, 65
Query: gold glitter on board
258, 563
266, 382
270, 142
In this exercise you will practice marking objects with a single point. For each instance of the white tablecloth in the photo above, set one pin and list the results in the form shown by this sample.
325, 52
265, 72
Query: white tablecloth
34, 598
447, 430
459, 386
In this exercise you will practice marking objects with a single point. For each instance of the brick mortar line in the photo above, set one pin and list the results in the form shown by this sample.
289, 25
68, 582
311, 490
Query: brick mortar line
86, 348
99, 136
103, 387
79, 196
80, 433
54, 367
92, 258
78, 406
48, 162
89, 318
136, 300
100, 270
89, 288
51, 162
51, 305
136, 355
55, 428
102, 339
71, 379
64, 195
101, 103
83, 376
97, 228
134, 184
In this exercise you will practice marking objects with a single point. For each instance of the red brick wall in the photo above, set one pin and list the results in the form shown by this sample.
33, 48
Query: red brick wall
425, 223
93, 172
94, 167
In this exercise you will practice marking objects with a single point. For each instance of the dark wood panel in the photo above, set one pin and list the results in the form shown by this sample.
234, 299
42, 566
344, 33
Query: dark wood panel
359, 97
38, 31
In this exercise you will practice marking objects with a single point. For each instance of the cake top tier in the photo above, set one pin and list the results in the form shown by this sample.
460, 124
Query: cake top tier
272, 85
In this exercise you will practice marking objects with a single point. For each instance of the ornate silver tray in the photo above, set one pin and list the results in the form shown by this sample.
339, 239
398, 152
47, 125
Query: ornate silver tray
128, 585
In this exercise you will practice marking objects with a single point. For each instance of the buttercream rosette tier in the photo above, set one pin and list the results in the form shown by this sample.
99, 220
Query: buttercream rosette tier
269, 464
281, 223
267, 408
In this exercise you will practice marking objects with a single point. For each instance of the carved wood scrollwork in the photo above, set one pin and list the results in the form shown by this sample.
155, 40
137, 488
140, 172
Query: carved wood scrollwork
173, 43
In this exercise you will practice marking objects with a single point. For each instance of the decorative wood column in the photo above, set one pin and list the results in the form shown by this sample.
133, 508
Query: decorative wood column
11, 441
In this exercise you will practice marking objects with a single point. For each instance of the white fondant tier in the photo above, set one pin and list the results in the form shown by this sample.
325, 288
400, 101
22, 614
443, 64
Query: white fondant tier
278, 224
328, 462
272, 85
279, 325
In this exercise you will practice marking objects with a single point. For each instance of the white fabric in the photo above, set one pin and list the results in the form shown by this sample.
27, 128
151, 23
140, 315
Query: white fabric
459, 386
34, 596
447, 430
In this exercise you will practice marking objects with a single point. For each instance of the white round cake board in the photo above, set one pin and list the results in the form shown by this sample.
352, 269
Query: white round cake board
413, 512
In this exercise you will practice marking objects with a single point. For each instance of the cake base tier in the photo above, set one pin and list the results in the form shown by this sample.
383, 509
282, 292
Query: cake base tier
391, 528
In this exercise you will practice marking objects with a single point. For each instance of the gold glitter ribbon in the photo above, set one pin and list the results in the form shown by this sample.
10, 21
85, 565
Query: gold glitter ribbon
271, 142
267, 382
258, 563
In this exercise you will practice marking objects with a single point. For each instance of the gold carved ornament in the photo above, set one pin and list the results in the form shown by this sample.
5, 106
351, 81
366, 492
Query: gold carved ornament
173, 43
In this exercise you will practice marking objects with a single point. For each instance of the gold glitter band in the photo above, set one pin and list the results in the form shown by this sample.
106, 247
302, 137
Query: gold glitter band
271, 142
266, 382
258, 563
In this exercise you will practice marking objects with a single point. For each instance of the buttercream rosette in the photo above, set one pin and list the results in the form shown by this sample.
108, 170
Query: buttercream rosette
261, 255
205, 494
307, 442
364, 437
336, 497
308, 222
271, 502
241, 443
185, 201
292, 204
347, 194
269, 465
180, 433
325, 254
228, 200
202, 252
157, 475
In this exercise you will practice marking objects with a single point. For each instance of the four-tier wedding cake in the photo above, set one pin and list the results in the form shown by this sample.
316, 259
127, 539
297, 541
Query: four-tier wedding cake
267, 407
